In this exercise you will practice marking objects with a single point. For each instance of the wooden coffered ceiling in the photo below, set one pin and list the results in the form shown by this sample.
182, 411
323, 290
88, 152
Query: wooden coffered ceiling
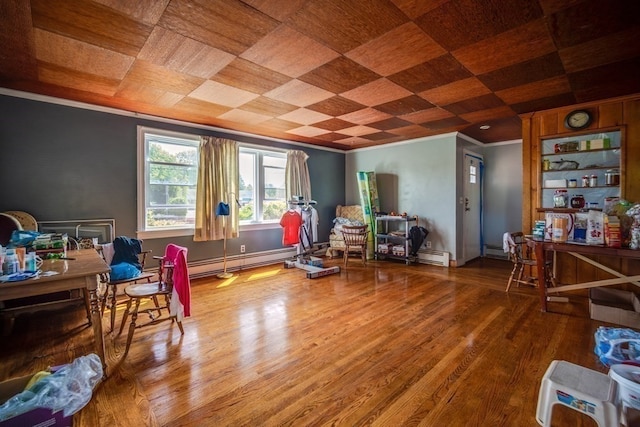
335, 73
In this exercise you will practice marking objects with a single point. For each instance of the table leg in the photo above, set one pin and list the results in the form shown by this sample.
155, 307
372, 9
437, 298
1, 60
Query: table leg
96, 321
542, 274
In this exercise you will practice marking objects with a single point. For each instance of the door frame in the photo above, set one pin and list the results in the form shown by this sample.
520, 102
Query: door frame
465, 237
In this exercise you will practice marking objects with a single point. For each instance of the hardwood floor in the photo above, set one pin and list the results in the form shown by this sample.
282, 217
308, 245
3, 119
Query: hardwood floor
384, 345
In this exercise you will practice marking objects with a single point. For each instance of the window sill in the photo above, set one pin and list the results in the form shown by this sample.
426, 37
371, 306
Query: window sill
177, 232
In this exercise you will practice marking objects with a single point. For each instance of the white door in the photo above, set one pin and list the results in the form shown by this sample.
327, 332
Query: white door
472, 233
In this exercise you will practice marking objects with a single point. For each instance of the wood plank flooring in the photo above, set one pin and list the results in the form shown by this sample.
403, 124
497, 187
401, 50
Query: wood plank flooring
381, 345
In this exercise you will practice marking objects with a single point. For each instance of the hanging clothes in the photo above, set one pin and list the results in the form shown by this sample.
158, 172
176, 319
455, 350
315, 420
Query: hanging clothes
291, 222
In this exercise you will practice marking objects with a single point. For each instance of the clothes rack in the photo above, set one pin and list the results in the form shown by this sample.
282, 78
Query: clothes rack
304, 248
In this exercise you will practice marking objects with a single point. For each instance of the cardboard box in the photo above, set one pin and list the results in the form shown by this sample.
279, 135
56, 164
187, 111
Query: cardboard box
555, 183
35, 417
614, 306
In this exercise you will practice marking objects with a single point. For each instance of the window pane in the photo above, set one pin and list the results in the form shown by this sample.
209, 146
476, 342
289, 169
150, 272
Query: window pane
169, 217
247, 184
171, 152
170, 177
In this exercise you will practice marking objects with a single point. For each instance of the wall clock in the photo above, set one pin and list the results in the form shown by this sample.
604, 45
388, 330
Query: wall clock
578, 119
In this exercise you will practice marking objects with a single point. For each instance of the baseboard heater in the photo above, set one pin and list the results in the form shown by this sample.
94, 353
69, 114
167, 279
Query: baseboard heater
431, 256
492, 251
211, 267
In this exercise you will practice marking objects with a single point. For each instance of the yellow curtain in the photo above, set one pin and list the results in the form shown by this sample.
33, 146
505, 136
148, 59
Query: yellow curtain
218, 179
298, 182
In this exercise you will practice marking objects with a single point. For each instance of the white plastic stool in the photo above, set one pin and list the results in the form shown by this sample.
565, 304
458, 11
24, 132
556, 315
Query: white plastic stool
579, 388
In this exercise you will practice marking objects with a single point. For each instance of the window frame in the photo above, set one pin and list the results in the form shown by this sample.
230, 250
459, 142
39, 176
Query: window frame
143, 233
259, 169
143, 167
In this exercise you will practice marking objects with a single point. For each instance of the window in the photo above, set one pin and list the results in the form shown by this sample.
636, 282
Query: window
262, 185
167, 178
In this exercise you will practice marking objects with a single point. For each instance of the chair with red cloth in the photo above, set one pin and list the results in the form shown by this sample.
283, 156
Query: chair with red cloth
173, 287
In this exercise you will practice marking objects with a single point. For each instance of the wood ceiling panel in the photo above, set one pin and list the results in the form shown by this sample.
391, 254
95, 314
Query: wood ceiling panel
407, 105
410, 132
63, 77
450, 123
228, 25
455, 91
483, 102
364, 116
200, 108
146, 11
332, 136
340, 75
480, 57
390, 123
602, 51
376, 93
397, 50
381, 136
243, 116
540, 89
151, 75
344, 25
615, 79
416, 8
286, 50
299, 93
218, 93
184, 55
268, 106
536, 104
484, 116
333, 124
304, 116
83, 57
336, 106
459, 23
92, 23
427, 115
536, 69
279, 124
266, 67
279, 10
592, 19
147, 94
437, 72
252, 77
308, 131
358, 130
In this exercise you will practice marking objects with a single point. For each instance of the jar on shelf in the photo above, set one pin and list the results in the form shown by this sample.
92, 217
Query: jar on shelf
593, 181
560, 199
546, 164
577, 201
573, 183
585, 181
612, 177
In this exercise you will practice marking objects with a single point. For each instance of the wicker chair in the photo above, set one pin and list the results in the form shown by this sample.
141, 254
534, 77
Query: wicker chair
345, 215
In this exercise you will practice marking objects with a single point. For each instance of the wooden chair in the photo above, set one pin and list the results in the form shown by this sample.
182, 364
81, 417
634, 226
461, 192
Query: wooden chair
163, 290
110, 296
355, 241
521, 255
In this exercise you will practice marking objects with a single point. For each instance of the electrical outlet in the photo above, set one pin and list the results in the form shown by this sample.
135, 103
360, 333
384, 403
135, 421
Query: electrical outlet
428, 244
242, 249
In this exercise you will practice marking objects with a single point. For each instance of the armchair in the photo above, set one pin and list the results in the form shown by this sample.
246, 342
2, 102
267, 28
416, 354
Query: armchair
349, 215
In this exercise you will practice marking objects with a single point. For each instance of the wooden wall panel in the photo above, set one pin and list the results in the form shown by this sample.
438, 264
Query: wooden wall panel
623, 113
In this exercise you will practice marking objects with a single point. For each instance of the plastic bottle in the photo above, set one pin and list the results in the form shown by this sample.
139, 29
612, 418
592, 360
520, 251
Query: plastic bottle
11, 262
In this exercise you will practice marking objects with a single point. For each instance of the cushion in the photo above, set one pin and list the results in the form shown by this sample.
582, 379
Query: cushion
123, 271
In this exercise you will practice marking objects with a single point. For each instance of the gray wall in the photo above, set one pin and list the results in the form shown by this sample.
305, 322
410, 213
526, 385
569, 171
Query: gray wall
417, 177
60, 163
424, 177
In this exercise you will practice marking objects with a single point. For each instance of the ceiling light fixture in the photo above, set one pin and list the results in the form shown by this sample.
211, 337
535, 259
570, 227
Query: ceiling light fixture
485, 127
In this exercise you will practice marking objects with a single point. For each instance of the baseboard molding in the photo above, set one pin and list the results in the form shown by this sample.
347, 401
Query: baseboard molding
433, 257
213, 266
